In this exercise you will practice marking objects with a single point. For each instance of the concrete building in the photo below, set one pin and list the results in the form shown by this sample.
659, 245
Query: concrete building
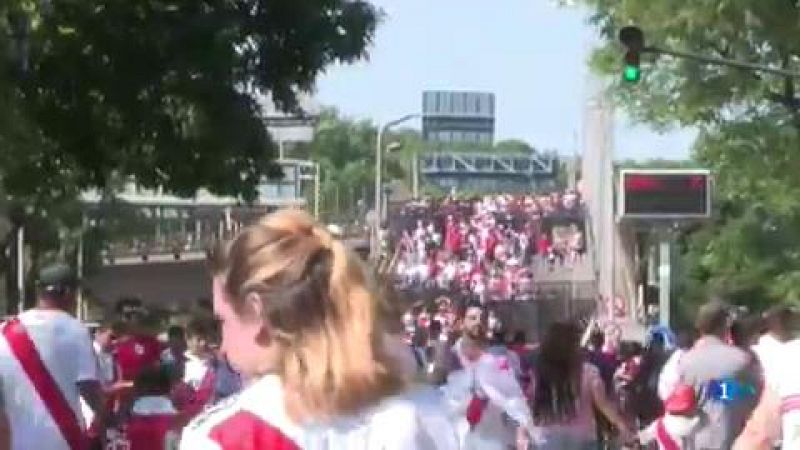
450, 117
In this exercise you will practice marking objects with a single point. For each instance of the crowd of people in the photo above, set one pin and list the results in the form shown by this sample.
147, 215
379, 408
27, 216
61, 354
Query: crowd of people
307, 350
727, 383
489, 245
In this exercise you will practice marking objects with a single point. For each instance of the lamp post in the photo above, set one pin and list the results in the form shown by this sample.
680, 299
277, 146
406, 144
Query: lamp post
376, 226
316, 189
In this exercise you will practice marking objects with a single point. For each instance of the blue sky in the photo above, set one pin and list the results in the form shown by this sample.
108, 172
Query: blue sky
531, 53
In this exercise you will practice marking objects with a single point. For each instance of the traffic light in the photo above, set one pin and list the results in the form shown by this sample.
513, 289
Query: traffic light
633, 40
631, 72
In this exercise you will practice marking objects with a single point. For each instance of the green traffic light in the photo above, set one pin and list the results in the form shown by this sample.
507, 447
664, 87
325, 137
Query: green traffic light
632, 74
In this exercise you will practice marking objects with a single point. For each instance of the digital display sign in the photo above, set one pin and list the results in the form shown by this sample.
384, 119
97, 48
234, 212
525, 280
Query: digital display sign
665, 194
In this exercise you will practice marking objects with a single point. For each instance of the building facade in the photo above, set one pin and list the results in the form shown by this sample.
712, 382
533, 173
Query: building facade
451, 117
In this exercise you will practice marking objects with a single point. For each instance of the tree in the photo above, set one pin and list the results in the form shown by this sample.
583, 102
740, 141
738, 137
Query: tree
163, 90
166, 91
658, 163
345, 150
515, 146
749, 130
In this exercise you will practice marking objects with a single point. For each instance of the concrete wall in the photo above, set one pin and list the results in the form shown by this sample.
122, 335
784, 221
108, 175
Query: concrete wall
172, 285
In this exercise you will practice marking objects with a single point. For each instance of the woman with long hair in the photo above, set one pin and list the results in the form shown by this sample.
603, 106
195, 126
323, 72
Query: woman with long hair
563, 392
300, 323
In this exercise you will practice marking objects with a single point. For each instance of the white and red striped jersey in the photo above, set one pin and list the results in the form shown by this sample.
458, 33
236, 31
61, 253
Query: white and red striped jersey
492, 380
257, 419
65, 349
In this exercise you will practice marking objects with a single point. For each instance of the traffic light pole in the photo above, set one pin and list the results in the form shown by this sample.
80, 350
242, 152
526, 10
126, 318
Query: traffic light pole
721, 61
664, 278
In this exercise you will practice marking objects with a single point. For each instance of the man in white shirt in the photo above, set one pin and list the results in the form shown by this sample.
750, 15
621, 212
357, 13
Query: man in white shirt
779, 321
485, 401
64, 347
474, 327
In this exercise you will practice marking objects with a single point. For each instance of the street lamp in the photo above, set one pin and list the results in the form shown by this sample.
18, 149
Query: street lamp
376, 226
393, 147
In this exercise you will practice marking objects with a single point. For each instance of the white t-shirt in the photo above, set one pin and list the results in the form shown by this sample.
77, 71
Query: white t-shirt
256, 418
195, 369
492, 379
771, 354
64, 346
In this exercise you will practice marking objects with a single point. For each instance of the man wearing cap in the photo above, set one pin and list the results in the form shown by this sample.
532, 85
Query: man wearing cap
47, 364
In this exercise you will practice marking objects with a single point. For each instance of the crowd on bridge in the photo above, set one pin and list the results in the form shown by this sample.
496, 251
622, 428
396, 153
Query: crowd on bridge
488, 245
304, 352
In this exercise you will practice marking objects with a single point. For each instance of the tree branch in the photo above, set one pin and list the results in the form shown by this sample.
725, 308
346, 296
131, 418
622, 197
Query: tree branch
788, 97
789, 93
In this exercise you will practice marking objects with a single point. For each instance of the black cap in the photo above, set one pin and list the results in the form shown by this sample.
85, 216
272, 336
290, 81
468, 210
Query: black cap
57, 275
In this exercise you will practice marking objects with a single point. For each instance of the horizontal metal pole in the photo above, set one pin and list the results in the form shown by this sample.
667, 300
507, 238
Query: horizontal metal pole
721, 61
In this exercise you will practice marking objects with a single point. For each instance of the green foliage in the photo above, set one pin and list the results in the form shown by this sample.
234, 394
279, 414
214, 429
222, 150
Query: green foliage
345, 150
513, 146
164, 89
657, 163
749, 124
749, 257
509, 146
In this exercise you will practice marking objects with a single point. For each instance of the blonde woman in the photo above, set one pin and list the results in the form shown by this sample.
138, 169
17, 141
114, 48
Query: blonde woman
300, 323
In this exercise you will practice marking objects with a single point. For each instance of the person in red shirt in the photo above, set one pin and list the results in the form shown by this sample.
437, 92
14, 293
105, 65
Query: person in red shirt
544, 248
136, 349
135, 352
154, 423
452, 235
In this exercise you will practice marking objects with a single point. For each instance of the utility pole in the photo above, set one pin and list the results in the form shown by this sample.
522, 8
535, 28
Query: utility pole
21, 268
664, 278
316, 189
415, 176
